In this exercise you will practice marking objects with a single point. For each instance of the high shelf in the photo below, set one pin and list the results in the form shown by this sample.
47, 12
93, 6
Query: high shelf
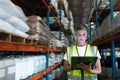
53, 14
103, 12
114, 35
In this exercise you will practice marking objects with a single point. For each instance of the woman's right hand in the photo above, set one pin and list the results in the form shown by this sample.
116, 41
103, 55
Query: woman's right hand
66, 66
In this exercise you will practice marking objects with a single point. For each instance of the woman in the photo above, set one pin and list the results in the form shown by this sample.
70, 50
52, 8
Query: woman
82, 49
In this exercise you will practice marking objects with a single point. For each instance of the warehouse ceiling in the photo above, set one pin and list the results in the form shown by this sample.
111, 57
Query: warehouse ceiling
80, 10
76, 8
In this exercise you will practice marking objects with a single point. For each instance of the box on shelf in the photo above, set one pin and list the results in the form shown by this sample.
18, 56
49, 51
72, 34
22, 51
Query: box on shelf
2, 70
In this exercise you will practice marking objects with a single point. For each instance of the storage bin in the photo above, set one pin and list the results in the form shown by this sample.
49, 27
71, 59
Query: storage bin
57, 73
50, 77
2, 70
30, 66
53, 74
9, 69
36, 64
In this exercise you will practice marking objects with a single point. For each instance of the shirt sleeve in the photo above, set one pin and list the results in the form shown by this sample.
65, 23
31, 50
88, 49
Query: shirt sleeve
98, 54
65, 57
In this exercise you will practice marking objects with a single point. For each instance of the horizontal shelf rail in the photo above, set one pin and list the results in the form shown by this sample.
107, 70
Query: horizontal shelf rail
41, 74
5, 46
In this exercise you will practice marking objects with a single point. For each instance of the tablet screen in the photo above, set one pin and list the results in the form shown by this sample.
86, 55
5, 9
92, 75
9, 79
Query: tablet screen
84, 59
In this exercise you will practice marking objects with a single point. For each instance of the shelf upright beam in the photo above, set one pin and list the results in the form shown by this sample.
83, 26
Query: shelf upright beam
89, 17
47, 54
90, 32
60, 18
96, 13
47, 64
113, 60
48, 18
112, 44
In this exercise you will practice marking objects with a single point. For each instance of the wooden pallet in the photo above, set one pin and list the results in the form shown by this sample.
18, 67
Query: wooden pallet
42, 44
7, 37
10, 38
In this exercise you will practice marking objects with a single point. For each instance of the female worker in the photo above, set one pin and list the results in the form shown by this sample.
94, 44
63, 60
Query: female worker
81, 48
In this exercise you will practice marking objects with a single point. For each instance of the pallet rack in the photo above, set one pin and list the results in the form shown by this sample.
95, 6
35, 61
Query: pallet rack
110, 39
26, 45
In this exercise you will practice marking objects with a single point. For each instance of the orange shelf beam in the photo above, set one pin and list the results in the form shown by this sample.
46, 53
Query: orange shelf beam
96, 10
116, 8
4, 46
53, 14
108, 37
41, 74
117, 5
63, 7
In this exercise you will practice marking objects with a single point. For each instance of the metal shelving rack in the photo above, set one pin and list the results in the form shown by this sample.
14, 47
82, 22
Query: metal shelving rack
6, 46
48, 69
111, 37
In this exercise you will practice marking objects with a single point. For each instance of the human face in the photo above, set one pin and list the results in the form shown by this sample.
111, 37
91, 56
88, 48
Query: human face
81, 36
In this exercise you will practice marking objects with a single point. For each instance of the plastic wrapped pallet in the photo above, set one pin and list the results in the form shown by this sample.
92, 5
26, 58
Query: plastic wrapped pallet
38, 29
62, 13
116, 21
18, 24
65, 4
10, 8
65, 22
55, 43
52, 20
106, 25
34, 27
2, 70
103, 29
54, 3
4, 15
6, 27
34, 18
91, 12
103, 4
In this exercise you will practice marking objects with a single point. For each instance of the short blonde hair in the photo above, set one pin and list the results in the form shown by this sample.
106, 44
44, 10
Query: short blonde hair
81, 27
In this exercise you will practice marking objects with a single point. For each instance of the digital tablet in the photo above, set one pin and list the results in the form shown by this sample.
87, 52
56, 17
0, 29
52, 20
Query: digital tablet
84, 59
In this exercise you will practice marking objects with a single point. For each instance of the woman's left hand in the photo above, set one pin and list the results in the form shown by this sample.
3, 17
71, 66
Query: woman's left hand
85, 67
